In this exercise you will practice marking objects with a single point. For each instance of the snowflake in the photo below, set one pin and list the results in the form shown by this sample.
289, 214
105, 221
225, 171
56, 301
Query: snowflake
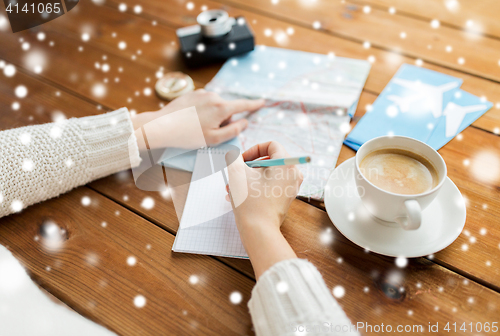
27, 165
86, 201
235, 297
326, 237
338, 291
15, 106
122, 7
25, 138
9, 70
282, 287
401, 262
122, 45
21, 91
99, 90
200, 47
435, 24
190, 6
146, 38
139, 301
193, 279
55, 132
16, 205
391, 111
137, 9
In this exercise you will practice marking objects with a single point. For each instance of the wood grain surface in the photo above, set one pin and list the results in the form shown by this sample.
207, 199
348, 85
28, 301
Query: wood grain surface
90, 272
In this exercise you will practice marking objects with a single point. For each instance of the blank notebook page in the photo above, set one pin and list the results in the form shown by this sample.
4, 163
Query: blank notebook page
207, 225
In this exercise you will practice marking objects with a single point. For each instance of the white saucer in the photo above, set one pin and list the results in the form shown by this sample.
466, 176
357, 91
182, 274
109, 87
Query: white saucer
442, 221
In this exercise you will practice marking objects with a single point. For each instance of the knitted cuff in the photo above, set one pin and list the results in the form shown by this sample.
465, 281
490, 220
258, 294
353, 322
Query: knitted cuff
110, 142
291, 294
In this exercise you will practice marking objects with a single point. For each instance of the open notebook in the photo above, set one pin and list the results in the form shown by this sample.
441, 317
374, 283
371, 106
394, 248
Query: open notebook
207, 225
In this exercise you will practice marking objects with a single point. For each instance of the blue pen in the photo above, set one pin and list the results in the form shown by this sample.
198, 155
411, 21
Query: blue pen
279, 162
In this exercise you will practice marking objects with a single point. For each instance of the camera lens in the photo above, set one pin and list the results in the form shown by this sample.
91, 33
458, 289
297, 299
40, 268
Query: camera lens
215, 23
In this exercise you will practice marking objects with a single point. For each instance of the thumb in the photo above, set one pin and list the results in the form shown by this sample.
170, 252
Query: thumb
237, 178
230, 131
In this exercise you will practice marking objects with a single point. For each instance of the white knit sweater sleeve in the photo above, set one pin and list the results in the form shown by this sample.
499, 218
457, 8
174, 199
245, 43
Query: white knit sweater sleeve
291, 298
42, 161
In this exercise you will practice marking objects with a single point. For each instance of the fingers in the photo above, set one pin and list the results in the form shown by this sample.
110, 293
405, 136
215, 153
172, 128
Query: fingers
272, 149
236, 171
242, 105
228, 132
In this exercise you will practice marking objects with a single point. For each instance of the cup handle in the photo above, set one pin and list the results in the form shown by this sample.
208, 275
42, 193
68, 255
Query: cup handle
413, 217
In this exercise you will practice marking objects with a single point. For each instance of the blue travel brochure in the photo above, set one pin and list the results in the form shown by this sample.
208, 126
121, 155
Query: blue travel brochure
463, 109
412, 104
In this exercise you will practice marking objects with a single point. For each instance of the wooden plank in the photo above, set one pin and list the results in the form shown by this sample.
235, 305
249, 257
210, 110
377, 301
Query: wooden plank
483, 14
91, 274
383, 30
306, 39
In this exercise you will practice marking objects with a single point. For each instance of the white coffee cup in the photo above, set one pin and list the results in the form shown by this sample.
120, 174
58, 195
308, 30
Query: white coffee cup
406, 210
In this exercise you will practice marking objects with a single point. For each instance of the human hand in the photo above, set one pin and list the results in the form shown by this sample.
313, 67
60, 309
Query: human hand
214, 116
261, 196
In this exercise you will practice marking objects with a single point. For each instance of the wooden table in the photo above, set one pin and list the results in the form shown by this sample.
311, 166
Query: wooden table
91, 275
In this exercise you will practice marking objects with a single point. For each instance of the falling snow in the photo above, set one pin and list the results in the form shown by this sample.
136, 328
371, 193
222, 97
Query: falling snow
9, 70
338, 292
401, 262
139, 301
85, 201
21, 91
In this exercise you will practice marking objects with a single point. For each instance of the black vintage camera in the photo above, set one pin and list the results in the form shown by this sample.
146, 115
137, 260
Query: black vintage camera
216, 38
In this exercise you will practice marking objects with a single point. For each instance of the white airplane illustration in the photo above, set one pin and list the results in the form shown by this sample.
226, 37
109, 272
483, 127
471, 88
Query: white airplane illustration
455, 114
432, 94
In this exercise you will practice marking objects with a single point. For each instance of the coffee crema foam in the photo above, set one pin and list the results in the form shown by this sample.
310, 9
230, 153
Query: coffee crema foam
399, 171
